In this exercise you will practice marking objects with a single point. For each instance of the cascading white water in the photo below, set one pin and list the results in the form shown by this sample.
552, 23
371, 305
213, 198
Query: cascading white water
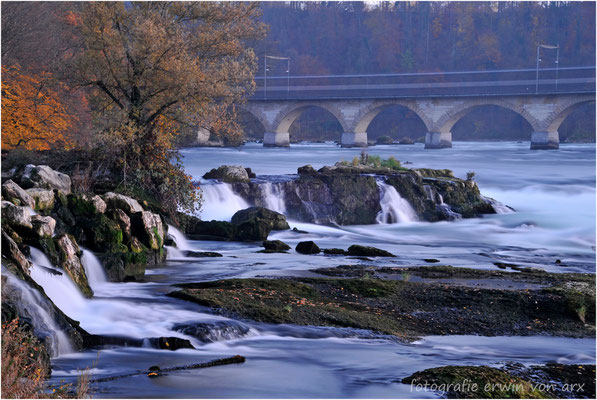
220, 202
499, 207
32, 305
173, 253
393, 207
179, 238
273, 197
93, 269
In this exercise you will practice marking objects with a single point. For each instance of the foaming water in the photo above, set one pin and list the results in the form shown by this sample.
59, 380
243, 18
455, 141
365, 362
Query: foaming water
273, 197
394, 208
220, 202
30, 304
181, 241
96, 275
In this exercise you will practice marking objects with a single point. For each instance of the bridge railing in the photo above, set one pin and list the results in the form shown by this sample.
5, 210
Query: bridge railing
435, 84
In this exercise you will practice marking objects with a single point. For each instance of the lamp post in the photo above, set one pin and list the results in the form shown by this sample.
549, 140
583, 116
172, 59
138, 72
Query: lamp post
265, 72
546, 46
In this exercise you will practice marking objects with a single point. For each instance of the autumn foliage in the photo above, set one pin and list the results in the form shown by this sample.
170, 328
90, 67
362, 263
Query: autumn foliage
33, 116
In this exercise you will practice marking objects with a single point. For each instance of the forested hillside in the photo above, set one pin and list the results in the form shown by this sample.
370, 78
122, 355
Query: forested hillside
386, 37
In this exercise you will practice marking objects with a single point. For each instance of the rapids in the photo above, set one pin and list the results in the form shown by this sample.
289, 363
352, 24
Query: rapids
553, 193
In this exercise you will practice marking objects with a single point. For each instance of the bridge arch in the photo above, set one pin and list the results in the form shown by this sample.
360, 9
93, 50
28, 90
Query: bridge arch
555, 119
366, 114
287, 115
255, 113
447, 121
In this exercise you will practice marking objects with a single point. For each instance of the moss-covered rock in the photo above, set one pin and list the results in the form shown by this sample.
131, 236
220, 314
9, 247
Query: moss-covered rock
44, 199
148, 228
275, 220
368, 251
70, 261
16, 195
474, 383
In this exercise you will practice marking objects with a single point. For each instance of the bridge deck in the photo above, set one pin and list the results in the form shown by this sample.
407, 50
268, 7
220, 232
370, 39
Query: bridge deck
573, 80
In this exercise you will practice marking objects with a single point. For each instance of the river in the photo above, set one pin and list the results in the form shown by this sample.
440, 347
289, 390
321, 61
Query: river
553, 193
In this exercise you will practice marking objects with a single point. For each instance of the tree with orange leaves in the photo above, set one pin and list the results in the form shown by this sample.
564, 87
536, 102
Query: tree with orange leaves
33, 116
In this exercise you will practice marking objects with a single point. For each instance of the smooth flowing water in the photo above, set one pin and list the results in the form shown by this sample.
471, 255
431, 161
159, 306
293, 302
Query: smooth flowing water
553, 193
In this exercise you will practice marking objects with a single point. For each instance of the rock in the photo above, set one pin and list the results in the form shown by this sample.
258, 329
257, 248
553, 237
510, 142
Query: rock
100, 233
475, 382
86, 205
44, 198
431, 260
334, 251
275, 245
11, 251
16, 216
210, 230
16, 195
275, 220
136, 246
126, 266
43, 226
127, 204
228, 173
44, 177
306, 170
69, 261
406, 140
124, 221
250, 173
307, 248
384, 140
209, 332
253, 230
170, 343
367, 251
190, 253
148, 227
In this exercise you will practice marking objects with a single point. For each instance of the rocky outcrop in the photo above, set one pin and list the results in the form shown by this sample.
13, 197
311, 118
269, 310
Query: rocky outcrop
11, 252
229, 174
43, 198
16, 195
249, 225
70, 261
17, 217
125, 203
350, 195
148, 227
43, 226
44, 177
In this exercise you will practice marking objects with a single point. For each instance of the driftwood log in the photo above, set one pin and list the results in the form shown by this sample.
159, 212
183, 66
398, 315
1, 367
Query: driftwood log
155, 371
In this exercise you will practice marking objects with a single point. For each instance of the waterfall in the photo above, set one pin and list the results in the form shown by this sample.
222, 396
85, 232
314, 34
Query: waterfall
220, 202
273, 197
179, 238
30, 304
393, 207
93, 269
499, 207
438, 199
56, 283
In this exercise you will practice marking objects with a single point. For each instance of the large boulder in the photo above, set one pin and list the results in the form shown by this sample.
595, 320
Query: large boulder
275, 220
44, 198
210, 230
148, 227
128, 204
11, 251
275, 246
42, 176
254, 229
308, 247
368, 251
16, 216
86, 205
43, 226
228, 173
16, 194
69, 261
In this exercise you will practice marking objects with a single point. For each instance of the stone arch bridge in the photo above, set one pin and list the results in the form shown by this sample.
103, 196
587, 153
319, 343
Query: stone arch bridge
544, 98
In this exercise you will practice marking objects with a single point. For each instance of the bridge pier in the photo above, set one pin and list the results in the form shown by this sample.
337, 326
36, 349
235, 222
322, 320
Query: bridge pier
438, 140
276, 139
545, 140
350, 139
